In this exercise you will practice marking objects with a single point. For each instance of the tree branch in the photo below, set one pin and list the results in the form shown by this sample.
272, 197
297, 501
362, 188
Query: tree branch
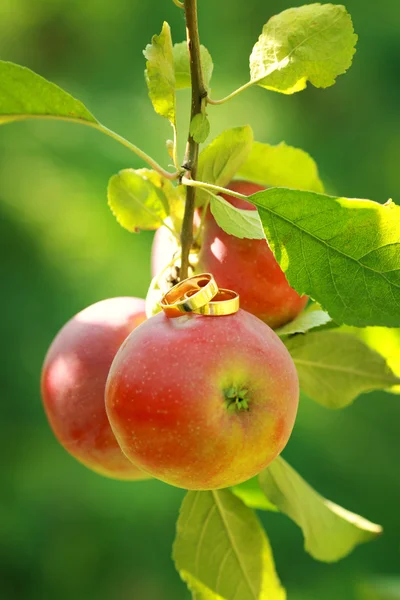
192, 148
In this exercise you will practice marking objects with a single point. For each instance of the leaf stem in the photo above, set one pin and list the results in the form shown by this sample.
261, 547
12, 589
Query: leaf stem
178, 3
99, 127
192, 148
175, 151
231, 95
215, 188
145, 157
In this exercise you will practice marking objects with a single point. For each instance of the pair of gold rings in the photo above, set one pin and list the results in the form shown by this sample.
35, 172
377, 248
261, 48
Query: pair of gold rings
199, 294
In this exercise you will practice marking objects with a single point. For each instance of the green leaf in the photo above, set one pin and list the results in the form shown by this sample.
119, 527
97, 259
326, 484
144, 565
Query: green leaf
281, 166
160, 74
311, 317
312, 43
182, 66
252, 495
136, 202
175, 195
221, 159
334, 368
330, 531
343, 253
384, 341
221, 550
200, 128
236, 221
25, 95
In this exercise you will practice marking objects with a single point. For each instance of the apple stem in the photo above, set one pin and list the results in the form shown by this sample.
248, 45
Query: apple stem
199, 92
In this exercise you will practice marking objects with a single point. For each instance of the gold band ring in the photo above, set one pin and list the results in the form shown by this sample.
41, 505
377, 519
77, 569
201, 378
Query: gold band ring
226, 302
189, 295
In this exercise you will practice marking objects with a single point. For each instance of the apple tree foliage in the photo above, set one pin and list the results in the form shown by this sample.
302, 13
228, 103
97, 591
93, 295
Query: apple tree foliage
343, 253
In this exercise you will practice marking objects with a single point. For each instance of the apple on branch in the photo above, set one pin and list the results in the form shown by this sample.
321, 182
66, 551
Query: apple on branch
73, 380
202, 402
249, 267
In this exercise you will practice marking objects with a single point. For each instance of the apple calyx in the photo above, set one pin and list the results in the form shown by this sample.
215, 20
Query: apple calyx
236, 398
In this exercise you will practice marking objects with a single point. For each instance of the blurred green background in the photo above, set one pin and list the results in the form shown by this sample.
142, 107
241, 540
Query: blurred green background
64, 531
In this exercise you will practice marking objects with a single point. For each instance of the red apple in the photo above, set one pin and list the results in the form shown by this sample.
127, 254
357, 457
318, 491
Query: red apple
248, 267
164, 247
73, 382
202, 402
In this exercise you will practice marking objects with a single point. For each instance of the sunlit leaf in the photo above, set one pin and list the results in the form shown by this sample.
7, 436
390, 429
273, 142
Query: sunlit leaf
221, 550
313, 316
343, 253
281, 166
384, 341
312, 43
330, 531
236, 221
182, 65
223, 157
136, 202
174, 195
200, 128
25, 95
160, 74
334, 368
252, 495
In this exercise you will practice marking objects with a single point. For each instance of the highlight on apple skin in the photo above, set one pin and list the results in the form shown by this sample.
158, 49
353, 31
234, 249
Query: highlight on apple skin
202, 402
73, 382
248, 267
163, 249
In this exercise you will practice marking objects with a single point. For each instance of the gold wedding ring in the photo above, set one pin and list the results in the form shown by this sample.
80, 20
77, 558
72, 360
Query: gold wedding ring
225, 302
189, 295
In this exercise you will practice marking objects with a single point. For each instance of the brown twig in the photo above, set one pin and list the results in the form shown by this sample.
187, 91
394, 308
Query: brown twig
192, 148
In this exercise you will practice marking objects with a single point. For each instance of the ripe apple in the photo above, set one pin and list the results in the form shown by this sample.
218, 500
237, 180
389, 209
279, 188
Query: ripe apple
73, 381
165, 245
202, 402
248, 267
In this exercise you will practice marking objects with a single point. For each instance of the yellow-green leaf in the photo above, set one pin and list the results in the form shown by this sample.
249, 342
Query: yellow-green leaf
384, 341
312, 43
313, 316
252, 495
26, 95
281, 166
221, 550
334, 367
200, 128
174, 195
160, 74
330, 531
221, 159
236, 221
136, 202
182, 65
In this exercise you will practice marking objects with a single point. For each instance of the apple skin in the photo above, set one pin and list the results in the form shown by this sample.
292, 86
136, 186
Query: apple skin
73, 382
166, 398
163, 248
248, 267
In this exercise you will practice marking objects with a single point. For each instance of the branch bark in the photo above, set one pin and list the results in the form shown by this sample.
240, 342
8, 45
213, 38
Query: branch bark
192, 148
